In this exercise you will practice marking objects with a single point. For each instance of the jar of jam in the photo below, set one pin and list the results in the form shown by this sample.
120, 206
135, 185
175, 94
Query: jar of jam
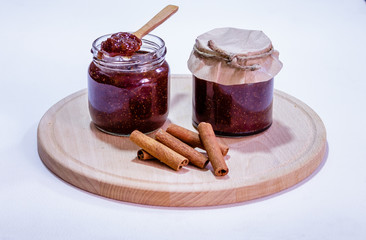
233, 77
126, 93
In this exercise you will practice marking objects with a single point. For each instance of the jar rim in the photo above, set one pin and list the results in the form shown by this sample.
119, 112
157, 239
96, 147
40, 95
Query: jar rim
152, 46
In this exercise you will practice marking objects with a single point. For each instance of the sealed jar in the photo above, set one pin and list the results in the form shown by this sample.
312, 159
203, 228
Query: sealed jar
129, 93
233, 77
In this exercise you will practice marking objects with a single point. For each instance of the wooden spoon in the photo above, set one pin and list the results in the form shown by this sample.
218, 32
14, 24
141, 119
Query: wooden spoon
158, 19
122, 45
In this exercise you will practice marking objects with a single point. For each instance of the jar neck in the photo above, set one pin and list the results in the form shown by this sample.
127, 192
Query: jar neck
151, 55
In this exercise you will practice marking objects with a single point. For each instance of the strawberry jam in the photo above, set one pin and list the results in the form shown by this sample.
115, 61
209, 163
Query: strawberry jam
233, 110
122, 43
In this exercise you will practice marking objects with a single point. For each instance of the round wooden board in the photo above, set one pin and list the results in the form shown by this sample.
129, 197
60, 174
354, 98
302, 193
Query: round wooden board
260, 165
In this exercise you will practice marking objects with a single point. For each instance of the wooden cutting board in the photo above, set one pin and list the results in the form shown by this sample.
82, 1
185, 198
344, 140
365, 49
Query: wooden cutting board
260, 165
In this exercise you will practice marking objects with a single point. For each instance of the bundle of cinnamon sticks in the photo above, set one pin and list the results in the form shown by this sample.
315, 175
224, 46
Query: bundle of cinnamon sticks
176, 147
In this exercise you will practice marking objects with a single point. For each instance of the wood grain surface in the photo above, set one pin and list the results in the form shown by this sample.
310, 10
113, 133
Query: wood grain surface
260, 165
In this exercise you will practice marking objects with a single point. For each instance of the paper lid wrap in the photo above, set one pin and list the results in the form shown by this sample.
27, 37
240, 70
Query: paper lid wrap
231, 56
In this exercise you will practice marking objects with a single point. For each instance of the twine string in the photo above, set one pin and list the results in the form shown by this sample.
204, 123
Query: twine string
231, 59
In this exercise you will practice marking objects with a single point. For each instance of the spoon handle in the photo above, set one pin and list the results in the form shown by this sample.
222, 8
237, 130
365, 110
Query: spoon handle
158, 19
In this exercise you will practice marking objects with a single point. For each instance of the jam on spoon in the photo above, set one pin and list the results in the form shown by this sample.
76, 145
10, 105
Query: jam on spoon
121, 43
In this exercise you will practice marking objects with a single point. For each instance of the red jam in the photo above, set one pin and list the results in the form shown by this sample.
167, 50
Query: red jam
122, 43
132, 93
122, 102
234, 110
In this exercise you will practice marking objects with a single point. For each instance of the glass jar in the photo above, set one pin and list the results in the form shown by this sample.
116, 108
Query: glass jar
233, 74
233, 110
129, 93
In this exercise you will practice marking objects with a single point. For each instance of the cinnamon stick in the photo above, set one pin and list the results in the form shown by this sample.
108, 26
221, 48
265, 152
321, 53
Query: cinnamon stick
194, 157
211, 145
143, 155
159, 150
191, 138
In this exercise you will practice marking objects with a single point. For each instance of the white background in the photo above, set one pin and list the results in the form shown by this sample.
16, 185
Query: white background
44, 55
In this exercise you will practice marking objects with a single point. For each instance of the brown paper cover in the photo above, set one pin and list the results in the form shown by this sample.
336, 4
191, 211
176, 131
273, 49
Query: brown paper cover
232, 56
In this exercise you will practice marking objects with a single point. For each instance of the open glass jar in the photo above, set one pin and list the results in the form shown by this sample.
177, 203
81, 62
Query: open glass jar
233, 71
129, 93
